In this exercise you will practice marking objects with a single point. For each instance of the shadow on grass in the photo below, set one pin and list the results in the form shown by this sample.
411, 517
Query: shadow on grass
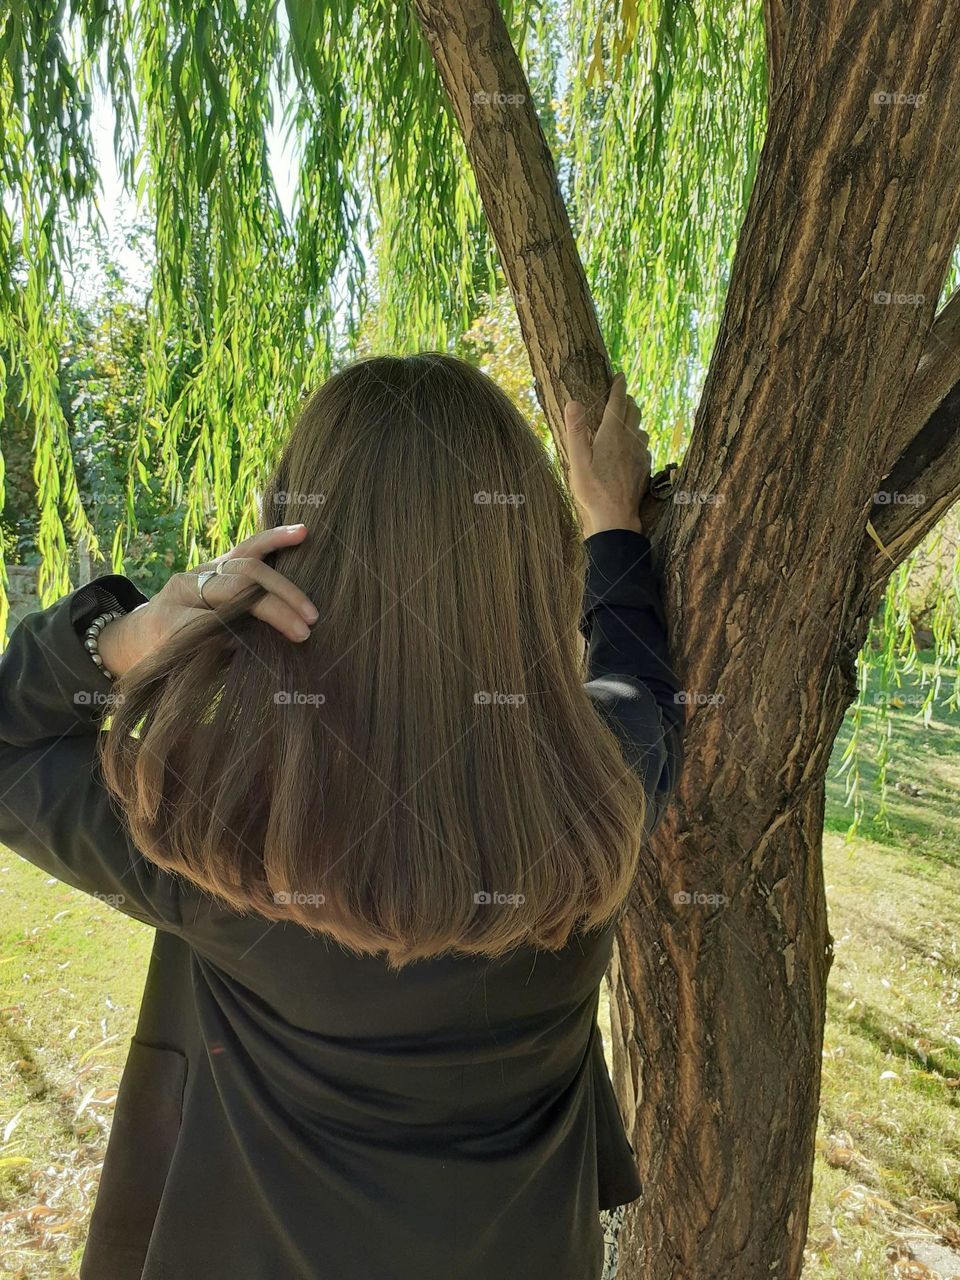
870, 1022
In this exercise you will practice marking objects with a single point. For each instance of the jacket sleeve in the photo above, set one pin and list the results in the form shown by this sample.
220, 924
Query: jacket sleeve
55, 810
629, 676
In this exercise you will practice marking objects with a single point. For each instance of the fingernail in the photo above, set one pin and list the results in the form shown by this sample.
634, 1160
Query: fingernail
303, 632
310, 612
292, 528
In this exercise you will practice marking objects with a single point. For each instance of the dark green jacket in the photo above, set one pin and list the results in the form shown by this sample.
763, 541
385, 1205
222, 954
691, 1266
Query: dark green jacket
289, 1110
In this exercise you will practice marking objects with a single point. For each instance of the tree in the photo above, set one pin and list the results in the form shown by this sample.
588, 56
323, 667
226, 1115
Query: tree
100, 382
831, 385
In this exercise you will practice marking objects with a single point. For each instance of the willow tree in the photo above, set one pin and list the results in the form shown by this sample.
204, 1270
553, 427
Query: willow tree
767, 205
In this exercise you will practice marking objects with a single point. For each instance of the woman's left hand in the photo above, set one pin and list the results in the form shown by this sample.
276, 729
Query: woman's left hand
125, 641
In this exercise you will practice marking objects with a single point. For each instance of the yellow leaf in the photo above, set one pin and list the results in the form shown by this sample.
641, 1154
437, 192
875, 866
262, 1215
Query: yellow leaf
876, 538
97, 1048
595, 70
11, 1125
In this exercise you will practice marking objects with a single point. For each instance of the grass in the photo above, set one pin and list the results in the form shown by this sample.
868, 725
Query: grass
887, 1172
887, 1176
71, 976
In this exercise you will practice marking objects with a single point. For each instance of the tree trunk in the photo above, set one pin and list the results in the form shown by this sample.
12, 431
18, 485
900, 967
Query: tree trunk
718, 1066
825, 381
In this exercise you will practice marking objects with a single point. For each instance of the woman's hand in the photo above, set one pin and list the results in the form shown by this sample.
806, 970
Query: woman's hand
125, 641
608, 475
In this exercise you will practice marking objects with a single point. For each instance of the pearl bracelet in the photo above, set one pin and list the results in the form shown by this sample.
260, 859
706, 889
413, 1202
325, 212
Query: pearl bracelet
91, 637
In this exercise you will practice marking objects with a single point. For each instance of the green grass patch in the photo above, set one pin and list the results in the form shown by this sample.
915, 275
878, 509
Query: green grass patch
71, 977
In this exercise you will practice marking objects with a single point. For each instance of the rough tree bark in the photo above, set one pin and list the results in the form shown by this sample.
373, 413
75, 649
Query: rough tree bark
829, 398
517, 183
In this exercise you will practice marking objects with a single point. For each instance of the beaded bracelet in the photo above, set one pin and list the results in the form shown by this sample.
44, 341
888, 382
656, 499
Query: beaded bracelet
91, 637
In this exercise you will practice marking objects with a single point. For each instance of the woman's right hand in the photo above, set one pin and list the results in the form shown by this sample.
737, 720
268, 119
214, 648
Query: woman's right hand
608, 475
128, 640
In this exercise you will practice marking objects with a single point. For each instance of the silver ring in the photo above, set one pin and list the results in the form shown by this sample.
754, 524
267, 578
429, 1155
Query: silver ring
203, 579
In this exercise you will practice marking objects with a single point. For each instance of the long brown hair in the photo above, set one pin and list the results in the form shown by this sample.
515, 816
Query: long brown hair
425, 773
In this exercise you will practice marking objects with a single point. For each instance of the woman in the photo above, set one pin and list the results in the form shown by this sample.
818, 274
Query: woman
383, 821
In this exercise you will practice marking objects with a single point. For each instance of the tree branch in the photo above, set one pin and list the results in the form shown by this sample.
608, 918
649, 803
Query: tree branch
937, 371
518, 186
775, 24
521, 198
922, 486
